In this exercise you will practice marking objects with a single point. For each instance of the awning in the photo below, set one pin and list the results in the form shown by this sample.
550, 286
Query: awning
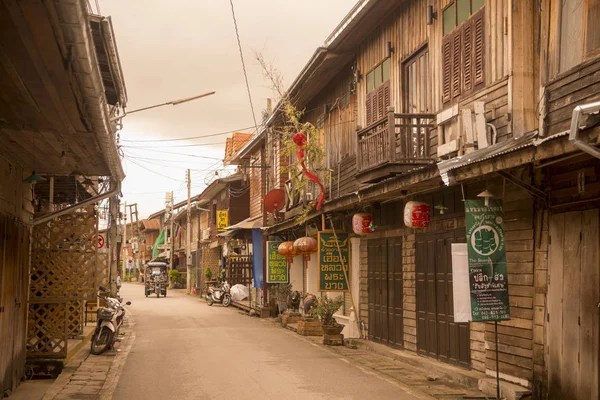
247, 224
492, 151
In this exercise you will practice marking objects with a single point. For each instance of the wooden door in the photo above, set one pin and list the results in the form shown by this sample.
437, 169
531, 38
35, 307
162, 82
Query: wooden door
572, 310
437, 334
385, 291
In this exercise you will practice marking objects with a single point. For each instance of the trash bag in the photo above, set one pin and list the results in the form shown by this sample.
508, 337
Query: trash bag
239, 292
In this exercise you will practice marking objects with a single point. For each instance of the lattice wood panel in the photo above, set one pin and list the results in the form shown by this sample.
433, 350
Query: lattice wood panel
66, 270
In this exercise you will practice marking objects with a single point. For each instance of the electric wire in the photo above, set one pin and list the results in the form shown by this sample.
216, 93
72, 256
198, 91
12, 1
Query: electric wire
154, 172
187, 138
127, 146
237, 34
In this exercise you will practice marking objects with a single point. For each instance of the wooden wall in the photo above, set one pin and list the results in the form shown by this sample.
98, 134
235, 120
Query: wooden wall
14, 289
406, 29
257, 190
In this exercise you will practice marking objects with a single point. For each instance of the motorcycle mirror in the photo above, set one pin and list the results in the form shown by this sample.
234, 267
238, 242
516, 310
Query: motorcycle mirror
102, 288
128, 303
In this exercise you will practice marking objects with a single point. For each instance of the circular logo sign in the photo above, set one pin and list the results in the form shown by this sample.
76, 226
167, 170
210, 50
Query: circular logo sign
485, 240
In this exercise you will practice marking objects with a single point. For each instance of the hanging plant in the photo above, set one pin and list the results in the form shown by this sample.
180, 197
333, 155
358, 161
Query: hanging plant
303, 140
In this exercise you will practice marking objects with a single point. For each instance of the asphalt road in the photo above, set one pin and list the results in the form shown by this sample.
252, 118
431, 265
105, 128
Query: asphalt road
184, 349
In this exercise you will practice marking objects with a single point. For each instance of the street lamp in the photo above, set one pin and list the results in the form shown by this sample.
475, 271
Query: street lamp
169, 103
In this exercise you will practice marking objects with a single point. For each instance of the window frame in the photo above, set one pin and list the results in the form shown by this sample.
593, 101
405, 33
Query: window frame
380, 64
456, 24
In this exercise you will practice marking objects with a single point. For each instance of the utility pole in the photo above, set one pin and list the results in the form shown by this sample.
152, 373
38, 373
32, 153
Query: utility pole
188, 233
113, 240
125, 252
172, 234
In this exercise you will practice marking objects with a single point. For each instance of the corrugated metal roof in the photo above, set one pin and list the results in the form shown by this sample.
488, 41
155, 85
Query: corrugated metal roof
150, 224
496, 150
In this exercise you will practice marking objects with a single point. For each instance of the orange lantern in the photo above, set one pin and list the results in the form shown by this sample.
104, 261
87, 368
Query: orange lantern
305, 246
417, 214
287, 250
362, 223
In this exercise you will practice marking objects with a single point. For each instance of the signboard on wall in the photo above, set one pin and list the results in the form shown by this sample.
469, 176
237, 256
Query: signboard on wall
332, 263
222, 220
486, 248
461, 295
277, 266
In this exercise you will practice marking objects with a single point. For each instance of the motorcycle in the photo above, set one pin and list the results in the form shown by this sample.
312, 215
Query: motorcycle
219, 295
109, 321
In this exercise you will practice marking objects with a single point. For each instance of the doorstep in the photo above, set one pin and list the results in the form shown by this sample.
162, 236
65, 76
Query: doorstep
473, 379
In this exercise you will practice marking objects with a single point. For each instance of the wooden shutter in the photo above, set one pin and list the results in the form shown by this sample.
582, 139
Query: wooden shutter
386, 97
446, 69
370, 107
467, 55
380, 102
456, 63
479, 47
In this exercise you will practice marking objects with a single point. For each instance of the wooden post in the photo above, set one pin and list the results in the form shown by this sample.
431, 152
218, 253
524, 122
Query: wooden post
112, 240
188, 233
171, 234
392, 135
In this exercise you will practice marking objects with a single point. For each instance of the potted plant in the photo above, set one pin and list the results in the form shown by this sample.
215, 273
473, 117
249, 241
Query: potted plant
324, 310
280, 292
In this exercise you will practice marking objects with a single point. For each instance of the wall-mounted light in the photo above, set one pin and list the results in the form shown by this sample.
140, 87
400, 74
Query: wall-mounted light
63, 158
390, 49
431, 15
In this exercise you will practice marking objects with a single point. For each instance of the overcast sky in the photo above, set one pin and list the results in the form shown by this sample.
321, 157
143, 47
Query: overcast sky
181, 48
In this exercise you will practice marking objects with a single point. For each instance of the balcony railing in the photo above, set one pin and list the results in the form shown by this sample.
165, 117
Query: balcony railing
395, 140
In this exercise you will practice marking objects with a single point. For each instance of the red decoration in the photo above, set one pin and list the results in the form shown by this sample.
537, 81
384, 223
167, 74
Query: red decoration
300, 141
362, 223
287, 250
417, 214
305, 246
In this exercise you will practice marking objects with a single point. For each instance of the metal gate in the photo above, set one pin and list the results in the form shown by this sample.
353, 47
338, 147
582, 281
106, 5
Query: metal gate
437, 334
385, 291
66, 269
572, 308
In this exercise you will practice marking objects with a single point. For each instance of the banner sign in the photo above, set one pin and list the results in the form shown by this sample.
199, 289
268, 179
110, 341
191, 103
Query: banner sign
331, 264
222, 220
486, 247
277, 266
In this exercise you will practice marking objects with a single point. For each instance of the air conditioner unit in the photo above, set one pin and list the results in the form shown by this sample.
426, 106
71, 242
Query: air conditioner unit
205, 234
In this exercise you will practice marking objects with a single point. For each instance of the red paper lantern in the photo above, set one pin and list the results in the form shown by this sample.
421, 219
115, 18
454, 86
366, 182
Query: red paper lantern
287, 250
305, 246
417, 214
362, 223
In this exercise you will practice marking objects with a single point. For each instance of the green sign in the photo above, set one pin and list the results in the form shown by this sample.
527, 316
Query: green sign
486, 247
331, 264
277, 267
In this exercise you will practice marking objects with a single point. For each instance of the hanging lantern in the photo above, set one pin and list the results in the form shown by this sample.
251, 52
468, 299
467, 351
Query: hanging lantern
305, 246
417, 214
362, 223
287, 250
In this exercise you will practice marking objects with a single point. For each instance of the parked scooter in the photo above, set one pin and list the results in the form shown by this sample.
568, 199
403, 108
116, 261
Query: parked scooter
219, 295
109, 321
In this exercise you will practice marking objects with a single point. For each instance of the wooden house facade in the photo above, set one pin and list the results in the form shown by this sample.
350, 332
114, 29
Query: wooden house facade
437, 101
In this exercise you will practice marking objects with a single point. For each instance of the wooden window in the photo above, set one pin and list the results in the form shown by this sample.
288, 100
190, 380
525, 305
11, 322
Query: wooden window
417, 84
463, 58
378, 92
593, 32
214, 213
457, 12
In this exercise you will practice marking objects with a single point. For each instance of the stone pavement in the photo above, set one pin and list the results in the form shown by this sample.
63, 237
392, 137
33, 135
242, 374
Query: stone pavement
88, 376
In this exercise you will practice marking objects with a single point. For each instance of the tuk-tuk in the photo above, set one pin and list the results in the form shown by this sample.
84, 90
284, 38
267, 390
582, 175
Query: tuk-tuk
156, 279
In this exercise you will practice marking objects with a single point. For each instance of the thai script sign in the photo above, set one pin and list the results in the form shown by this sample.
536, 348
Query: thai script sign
331, 263
277, 266
486, 248
222, 220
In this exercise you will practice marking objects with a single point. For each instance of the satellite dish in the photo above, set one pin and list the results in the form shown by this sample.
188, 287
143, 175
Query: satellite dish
274, 201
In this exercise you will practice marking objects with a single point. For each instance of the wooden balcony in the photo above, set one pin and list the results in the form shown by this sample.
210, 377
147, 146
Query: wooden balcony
393, 145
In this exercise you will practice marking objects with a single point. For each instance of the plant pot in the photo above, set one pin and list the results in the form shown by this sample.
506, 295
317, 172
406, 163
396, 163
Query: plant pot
332, 329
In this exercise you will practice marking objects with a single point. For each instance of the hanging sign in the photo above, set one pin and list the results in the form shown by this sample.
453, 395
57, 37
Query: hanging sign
331, 263
486, 248
222, 220
277, 266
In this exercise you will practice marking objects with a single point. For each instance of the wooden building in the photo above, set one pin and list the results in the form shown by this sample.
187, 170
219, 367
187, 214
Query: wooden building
437, 101
55, 108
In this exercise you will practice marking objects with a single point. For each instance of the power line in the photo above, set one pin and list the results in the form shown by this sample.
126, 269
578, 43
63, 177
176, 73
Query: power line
141, 146
182, 154
237, 34
154, 172
186, 138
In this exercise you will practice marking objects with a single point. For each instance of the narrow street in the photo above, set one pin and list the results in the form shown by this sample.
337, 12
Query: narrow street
185, 349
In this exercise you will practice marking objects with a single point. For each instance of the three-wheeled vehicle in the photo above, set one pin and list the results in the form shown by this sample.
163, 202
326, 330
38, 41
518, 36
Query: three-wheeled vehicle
156, 279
